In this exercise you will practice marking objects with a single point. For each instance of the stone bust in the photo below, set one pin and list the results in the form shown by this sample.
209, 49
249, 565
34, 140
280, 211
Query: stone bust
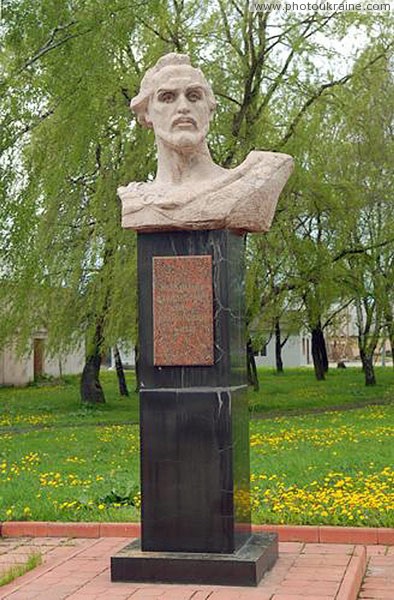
190, 191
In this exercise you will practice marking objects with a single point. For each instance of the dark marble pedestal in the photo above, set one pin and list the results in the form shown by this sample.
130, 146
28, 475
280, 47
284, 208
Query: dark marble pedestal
245, 567
194, 469
194, 416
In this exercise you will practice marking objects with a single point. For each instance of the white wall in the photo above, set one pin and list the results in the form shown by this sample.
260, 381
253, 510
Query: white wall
71, 364
127, 356
19, 371
14, 370
294, 352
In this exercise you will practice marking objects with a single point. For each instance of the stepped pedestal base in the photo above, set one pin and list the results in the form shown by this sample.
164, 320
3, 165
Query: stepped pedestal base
246, 567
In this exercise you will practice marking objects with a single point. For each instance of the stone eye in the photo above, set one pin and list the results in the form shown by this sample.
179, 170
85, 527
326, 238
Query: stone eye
194, 96
167, 97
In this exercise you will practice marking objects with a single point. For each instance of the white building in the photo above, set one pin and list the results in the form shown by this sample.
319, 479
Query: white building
127, 356
295, 353
21, 370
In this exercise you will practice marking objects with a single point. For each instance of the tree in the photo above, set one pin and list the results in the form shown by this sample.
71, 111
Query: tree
338, 214
68, 140
72, 150
123, 391
369, 262
268, 291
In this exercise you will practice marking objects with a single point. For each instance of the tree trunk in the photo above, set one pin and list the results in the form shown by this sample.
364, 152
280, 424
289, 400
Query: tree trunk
319, 353
391, 338
362, 355
91, 390
120, 373
90, 387
323, 349
278, 347
251, 367
368, 368
137, 370
390, 333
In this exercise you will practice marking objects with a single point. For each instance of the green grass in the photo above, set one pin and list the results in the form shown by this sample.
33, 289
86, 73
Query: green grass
71, 474
299, 471
59, 404
333, 469
12, 573
59, 462
297, 389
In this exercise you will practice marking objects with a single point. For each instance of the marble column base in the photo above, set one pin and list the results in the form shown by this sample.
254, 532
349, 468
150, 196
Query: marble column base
245, 567
194, 469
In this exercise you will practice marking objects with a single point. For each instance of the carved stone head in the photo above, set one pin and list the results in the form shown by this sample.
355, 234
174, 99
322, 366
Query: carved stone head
176, 101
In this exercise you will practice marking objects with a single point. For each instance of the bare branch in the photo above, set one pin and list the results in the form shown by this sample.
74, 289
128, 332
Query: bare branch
174, 33
283, 343
227, 30
237, 8
285, 67
362, 249
320, 91
227, 97
281, 36
335, 313
130, 54
49, 46
251, 46
26, 129
276, 82
153, 30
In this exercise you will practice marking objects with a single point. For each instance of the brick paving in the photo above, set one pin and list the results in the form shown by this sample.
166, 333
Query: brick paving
378, 583
78, 569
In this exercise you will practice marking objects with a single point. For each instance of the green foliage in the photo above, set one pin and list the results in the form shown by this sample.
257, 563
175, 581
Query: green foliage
331, 243
68, 140
123, 494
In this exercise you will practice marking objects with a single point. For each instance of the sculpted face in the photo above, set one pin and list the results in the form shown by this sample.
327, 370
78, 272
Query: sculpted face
178, 108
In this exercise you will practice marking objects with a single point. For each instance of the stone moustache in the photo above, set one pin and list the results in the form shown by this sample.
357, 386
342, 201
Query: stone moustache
191, 192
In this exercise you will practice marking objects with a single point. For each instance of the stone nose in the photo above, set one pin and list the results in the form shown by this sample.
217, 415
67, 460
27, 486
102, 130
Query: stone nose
183, 106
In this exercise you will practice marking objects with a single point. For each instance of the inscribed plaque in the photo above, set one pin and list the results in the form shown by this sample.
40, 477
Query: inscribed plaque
182, 311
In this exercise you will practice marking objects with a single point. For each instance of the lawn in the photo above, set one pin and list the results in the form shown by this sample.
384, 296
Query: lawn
330, 469
58, 403
297, 389
61, 462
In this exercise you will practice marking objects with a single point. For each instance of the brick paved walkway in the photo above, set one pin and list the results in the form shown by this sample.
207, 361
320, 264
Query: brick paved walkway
78, 569
378, 582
